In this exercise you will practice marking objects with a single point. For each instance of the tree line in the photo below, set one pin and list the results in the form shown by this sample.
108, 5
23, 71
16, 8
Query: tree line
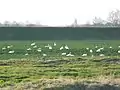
113, 20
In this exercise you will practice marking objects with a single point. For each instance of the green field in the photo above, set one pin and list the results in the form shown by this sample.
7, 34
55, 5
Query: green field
38, 72
76, 47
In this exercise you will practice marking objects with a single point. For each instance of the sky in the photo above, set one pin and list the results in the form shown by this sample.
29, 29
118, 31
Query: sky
55, 12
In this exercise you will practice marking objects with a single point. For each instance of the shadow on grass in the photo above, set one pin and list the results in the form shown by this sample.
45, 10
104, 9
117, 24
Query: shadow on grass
86, 87
109, 61
58, 62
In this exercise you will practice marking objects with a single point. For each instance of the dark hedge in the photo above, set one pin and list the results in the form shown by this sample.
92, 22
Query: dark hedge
59, 33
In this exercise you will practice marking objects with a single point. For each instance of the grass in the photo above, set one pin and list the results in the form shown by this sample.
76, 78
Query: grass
76, 47
13, 72
17, 69
71, 43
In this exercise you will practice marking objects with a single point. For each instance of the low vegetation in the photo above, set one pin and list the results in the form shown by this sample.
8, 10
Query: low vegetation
54, 71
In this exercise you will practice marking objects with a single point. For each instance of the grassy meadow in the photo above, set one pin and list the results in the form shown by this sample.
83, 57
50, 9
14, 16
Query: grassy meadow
32, 70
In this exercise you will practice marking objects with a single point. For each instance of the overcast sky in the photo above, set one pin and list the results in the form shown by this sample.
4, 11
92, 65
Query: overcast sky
55, 12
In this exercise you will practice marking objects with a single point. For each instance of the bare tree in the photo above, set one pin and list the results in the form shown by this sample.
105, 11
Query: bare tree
114, 18
97, 21
6, 23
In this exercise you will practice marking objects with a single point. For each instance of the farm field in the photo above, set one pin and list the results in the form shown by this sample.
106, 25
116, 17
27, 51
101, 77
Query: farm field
52, 65
78, 48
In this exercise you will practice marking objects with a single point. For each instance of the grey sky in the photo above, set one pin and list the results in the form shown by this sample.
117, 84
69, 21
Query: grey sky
55, 12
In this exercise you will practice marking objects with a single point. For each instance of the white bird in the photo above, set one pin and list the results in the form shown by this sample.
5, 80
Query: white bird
119, 51
61, 48
3, 48
101, 55
84, 55
32, 44
44, 55
50, 47
118, 46
29, 49
66, 47
91, 51
35, 46
11, 51
87, 48
96, 46
9, 46
54, 44
26, 54
110, 47
98, 50
70, 54
102, 48
63, 54
39, 50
